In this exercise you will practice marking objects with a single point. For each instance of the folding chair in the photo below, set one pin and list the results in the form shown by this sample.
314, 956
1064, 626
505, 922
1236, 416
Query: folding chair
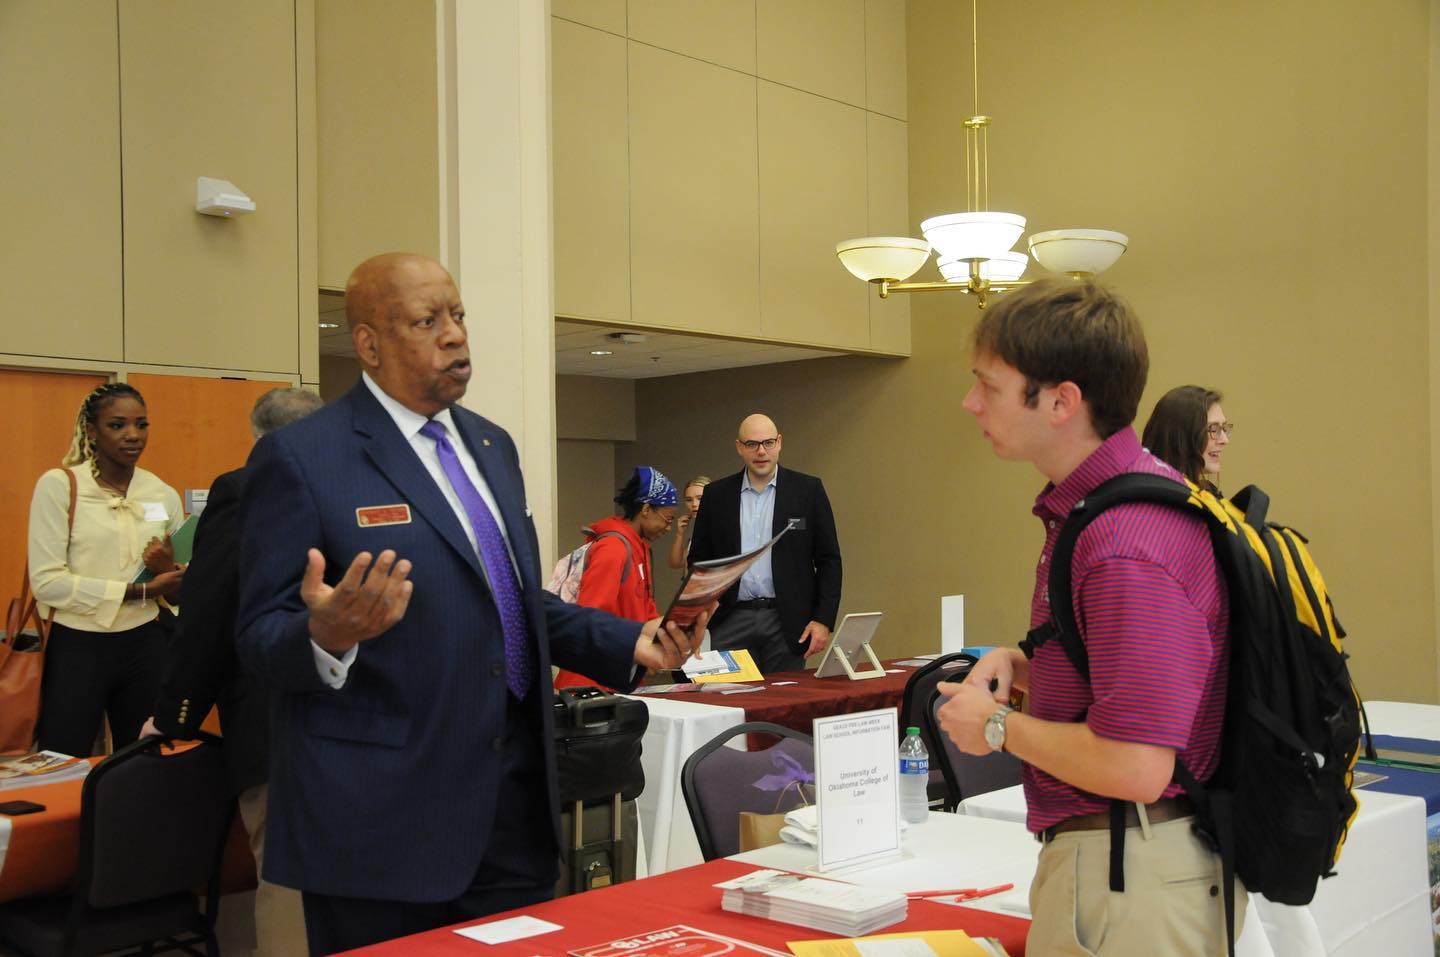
153, 827
918, 690
720, 782
966, 775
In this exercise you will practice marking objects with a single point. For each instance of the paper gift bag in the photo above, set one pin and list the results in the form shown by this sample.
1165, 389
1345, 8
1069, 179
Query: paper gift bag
758, 829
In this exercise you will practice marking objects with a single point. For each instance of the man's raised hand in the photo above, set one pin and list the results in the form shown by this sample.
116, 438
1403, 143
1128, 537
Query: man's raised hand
365, 603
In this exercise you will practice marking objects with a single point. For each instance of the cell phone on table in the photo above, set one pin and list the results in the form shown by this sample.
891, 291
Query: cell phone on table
16, 808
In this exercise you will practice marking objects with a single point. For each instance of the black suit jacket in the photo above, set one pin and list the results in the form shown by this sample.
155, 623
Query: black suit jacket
203, 670
806, 562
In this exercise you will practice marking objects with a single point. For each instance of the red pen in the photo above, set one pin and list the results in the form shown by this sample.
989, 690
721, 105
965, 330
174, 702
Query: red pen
970, 895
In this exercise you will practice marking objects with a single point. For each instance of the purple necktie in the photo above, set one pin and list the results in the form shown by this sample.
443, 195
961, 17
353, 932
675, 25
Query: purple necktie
519, 671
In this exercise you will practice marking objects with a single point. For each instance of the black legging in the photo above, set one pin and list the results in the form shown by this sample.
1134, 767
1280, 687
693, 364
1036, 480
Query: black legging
88, 674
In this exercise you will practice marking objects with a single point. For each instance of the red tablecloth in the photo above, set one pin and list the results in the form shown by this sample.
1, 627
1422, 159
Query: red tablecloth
687, 897
796, 705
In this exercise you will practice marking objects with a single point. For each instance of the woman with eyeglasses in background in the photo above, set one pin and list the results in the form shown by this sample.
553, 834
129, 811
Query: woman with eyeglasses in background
1188, 430
619, 574
680, 548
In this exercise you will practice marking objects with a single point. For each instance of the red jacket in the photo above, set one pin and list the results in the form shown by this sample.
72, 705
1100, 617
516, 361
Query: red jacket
601, 587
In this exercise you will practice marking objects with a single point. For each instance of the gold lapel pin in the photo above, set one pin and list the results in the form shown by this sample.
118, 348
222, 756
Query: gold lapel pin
485, 441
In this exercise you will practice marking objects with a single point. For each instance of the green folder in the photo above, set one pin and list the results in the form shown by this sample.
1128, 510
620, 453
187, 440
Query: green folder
182, 541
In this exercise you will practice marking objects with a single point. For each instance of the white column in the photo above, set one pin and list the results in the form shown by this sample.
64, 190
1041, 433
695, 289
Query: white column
494, 75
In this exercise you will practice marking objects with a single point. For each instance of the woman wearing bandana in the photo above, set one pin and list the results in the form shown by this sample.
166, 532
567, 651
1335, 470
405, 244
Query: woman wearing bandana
106, 648
618, 571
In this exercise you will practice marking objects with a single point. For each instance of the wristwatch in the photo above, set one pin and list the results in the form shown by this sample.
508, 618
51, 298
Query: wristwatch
995, 728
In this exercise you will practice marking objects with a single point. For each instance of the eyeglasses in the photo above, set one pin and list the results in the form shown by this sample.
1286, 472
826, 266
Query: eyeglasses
1217, 429
752, 445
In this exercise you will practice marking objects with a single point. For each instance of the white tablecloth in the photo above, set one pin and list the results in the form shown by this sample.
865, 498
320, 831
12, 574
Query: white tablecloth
947, 851
1377, 904
676, 730
1404, 719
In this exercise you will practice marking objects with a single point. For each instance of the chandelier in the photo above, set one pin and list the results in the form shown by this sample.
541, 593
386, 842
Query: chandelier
974, 249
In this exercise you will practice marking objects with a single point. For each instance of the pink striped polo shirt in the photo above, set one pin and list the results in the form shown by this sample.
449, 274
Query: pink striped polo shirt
1154, 613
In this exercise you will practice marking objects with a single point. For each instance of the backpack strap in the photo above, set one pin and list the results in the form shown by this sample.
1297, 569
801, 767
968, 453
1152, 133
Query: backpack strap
625, 568
1129, 487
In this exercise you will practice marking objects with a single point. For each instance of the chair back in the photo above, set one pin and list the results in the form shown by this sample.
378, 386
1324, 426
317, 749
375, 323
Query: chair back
153, 824
720, 782
966, 775
918, 690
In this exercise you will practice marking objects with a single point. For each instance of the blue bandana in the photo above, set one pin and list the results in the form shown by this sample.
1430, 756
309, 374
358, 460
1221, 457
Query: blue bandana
655, 488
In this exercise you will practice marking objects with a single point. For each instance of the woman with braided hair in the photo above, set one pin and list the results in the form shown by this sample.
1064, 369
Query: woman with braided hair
106, 649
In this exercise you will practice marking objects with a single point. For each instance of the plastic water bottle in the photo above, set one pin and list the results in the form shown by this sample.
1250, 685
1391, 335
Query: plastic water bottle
914, 778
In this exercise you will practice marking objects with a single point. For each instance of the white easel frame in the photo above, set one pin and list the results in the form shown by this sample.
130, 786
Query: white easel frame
847, 644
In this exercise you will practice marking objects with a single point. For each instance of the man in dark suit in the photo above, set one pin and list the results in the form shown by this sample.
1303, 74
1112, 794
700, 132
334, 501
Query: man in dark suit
203, 671
412, 779
784, 607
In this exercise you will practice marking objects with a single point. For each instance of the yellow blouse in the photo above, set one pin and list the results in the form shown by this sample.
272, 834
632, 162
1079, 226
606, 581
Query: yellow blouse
85, 584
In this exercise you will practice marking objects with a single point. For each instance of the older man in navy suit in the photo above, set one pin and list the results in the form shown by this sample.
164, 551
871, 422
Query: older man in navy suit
412, 773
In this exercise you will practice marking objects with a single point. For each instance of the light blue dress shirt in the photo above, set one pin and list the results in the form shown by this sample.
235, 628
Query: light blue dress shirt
757, 518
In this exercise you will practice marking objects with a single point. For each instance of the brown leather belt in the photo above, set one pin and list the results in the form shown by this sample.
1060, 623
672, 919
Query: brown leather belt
1165, 809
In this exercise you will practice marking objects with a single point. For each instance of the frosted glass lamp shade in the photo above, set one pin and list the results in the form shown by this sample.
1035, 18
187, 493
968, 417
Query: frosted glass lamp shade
1088, 251
1006, 267
881, 258
973, 235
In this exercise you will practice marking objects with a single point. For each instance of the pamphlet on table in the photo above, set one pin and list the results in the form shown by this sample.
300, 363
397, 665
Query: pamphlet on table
712, 666
924, 943
831, 906
42, 767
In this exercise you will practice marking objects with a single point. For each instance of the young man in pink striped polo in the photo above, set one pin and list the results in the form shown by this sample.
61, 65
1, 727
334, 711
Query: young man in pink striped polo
1059, 369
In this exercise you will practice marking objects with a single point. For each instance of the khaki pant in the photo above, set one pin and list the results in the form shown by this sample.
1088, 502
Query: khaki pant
279, 917
1171, 904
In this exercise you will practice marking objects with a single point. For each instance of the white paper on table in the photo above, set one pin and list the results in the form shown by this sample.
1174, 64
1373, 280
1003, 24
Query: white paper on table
857, 787
512, 928
952, 623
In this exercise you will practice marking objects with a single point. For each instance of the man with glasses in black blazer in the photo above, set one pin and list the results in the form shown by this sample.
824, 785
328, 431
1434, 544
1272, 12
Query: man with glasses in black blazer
784, 607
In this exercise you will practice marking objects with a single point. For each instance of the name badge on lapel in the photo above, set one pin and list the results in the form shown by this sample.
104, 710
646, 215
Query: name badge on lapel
382, 515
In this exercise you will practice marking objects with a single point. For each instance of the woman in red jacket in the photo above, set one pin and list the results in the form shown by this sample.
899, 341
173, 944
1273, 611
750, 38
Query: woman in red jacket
617, 576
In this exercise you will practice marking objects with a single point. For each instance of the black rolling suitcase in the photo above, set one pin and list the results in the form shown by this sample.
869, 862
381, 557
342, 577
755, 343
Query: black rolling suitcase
597, 752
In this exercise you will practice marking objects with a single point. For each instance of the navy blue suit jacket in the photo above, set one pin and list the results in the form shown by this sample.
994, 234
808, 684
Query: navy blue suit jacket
387, 787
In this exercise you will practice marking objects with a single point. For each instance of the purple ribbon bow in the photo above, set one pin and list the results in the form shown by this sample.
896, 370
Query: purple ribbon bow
792, 774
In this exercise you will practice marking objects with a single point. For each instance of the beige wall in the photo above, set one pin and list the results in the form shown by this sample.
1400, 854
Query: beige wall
376, 124
585, 489
337, 375
1213, 137
708, 156
112, 112
591, 407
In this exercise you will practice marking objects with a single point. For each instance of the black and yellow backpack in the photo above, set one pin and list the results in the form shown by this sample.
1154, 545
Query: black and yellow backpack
1279, 804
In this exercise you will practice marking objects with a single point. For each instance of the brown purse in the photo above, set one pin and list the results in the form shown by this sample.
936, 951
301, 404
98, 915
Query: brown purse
22, 659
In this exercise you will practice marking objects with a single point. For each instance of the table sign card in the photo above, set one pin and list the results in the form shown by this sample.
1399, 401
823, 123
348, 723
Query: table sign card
857, 788
952, 623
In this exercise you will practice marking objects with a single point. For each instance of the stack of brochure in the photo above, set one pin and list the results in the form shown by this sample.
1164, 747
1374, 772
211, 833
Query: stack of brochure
844, 909
42, 767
